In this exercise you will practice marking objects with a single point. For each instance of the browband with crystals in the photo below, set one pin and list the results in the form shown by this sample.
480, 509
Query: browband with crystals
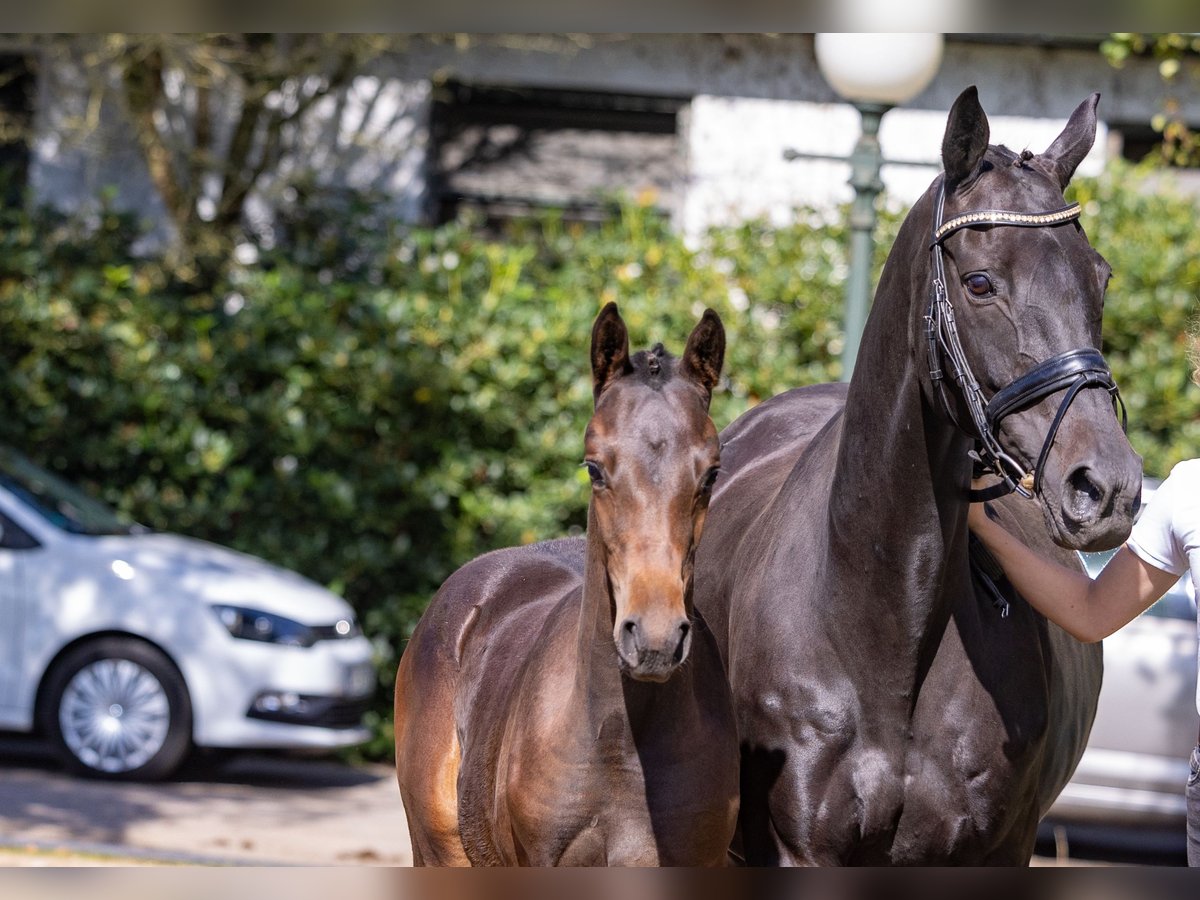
1004, 217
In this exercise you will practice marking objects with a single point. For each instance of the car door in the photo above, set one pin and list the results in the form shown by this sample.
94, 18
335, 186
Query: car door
14, 544
1146, 722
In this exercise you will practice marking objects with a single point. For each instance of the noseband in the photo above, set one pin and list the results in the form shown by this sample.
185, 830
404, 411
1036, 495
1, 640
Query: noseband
1069, 372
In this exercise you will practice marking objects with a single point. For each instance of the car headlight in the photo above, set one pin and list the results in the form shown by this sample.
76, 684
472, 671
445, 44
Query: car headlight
256, 625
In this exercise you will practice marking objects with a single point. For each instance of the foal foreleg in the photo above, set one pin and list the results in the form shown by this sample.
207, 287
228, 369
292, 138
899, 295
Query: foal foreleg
427, 764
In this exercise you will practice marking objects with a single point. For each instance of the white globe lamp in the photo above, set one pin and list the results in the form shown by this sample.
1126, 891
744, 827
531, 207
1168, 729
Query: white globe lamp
874, 72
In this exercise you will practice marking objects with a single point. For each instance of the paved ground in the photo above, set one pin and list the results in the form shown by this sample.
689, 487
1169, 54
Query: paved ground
249, 809
269, 809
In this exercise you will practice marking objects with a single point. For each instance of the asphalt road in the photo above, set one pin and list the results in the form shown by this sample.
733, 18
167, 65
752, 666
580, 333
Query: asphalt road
248, 809
270, 809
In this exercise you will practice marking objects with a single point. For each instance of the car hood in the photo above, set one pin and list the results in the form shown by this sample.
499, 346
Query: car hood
188, 568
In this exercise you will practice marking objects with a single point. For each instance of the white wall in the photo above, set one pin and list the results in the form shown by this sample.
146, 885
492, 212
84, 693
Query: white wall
752, 97
737, 170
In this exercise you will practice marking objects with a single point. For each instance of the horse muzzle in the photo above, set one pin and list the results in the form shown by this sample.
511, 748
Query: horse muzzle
1096, 501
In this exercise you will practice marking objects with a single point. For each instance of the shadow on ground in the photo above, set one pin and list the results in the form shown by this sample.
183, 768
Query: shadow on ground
280, 769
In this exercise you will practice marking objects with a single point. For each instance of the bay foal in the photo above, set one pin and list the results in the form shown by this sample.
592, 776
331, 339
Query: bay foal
544, 711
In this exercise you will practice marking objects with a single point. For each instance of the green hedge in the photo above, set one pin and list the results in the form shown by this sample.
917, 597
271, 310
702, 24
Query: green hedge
1150, 239
374, 407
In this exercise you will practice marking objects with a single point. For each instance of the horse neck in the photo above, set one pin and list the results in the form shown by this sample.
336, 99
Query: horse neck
898, 493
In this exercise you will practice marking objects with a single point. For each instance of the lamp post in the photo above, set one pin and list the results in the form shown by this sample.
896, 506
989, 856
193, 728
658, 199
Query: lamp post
874, 72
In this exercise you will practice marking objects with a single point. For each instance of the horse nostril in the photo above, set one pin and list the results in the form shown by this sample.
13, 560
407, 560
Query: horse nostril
1083, 497
1081, 483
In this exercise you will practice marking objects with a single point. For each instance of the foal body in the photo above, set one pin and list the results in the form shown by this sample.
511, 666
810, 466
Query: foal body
539, 719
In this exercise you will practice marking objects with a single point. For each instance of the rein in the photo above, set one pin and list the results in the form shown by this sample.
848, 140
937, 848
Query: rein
1071, 371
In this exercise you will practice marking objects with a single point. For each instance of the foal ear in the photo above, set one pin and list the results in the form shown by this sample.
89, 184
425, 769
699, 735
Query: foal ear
705, 353
610, 349
966, 138
1070, 147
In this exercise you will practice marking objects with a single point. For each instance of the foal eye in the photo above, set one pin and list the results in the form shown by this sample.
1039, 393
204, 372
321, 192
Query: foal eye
595, 472
710, 477
978, 284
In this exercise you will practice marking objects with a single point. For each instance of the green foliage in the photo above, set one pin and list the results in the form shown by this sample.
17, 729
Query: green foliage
1150, 240
375, 407
1178, 58
372, 408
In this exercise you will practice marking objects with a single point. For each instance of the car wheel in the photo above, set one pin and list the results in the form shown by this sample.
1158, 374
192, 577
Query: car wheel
118, 708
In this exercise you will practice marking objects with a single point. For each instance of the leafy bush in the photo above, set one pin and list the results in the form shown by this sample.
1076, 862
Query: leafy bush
391, 405
374, 407
1150, 239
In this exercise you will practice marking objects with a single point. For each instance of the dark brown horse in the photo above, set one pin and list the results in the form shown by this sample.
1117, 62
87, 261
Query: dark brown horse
544, 711
889, 710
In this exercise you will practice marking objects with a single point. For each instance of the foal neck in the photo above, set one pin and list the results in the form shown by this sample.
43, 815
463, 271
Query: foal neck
601, 690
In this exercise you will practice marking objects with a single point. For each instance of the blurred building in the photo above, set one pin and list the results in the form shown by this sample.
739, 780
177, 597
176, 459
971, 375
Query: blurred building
699, 122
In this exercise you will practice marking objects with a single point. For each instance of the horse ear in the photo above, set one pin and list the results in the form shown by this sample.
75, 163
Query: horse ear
1075, 142
966, 138
705, 353
610, 349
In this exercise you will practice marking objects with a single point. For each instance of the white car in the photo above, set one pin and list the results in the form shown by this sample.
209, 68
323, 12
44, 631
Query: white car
126, 648
1136, 763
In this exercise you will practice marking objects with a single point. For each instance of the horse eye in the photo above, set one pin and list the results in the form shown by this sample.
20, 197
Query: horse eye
710, 477
595, 472
978, 284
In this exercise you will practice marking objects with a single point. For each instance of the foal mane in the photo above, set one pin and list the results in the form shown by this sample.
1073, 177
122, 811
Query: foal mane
654, 367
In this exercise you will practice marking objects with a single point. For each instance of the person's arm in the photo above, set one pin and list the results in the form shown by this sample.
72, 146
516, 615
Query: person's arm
1089, 610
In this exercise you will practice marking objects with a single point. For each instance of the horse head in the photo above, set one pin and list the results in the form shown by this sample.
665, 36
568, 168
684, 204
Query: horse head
652, 453
1013, 327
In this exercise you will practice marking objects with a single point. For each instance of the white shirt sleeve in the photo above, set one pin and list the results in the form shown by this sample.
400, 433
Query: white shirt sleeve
1156, 536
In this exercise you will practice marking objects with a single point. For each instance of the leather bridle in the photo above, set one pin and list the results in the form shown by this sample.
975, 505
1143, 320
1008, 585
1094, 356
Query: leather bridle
1071, 372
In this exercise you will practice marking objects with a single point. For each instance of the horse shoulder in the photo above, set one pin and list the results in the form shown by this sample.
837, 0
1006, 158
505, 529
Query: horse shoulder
1073, 670
760, 451
1017, 695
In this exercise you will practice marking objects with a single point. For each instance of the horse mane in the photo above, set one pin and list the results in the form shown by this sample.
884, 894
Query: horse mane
1012, 157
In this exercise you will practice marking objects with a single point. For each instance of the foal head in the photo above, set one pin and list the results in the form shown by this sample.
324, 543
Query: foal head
1027, 292
652, 453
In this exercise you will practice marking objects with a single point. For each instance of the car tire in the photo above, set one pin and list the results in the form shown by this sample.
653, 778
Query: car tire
117, 708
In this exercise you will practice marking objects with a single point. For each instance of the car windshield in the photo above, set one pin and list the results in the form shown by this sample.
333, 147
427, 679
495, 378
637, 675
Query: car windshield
56, 501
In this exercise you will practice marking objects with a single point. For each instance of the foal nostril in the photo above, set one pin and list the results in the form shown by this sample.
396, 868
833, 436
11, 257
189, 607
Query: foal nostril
684, 642
629, 641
